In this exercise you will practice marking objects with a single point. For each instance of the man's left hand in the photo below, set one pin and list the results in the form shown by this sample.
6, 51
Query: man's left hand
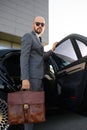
54, 46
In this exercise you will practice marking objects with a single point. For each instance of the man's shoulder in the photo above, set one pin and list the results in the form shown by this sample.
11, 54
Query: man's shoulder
27, 35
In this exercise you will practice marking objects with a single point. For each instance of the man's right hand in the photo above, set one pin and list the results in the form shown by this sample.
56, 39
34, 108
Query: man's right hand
26, 85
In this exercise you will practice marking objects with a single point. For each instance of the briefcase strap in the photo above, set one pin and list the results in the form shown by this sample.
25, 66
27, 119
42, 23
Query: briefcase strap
26, 108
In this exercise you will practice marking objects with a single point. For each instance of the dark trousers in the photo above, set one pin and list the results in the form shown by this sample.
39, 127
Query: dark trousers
36, 85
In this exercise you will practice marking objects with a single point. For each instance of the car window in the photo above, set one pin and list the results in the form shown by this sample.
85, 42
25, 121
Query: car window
66, 52
60, 62
51, 69
82, 47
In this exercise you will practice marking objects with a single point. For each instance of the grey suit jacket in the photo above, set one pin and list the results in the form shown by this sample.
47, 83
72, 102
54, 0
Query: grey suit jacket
31, 59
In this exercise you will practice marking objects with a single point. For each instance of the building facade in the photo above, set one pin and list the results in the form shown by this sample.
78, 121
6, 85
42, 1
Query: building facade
16, 17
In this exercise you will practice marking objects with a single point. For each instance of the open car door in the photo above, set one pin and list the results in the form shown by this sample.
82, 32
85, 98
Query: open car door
71, 73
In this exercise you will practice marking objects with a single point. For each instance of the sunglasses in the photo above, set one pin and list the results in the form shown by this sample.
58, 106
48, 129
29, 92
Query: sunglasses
38, 24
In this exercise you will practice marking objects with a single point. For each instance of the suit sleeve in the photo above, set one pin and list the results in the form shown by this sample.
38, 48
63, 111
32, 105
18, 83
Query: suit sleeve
26, 43
47, 54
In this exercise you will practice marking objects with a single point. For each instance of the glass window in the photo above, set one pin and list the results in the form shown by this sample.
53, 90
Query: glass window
82, 47
16, 46
4, 44
66, 52
51, 69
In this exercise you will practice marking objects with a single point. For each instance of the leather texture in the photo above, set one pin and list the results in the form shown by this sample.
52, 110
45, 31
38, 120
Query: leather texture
26, 107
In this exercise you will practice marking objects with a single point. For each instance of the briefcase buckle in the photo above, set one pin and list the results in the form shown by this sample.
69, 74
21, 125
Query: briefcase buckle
26, 106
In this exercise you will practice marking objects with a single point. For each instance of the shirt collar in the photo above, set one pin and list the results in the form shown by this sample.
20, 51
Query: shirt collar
37, 35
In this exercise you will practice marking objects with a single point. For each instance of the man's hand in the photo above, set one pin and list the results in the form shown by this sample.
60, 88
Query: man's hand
54, 46
26, 85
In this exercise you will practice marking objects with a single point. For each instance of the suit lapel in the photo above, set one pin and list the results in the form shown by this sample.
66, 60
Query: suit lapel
37, 39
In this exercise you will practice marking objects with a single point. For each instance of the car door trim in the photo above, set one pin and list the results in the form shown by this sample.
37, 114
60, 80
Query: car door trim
73, 69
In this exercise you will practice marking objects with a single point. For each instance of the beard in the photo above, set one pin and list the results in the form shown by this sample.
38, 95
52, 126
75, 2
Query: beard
38, 30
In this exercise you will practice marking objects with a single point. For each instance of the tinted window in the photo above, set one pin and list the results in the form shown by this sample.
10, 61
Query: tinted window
82, 47
59, 61
66, 51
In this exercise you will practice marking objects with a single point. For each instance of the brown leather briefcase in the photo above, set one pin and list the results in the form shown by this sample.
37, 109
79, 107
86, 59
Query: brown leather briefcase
26, 107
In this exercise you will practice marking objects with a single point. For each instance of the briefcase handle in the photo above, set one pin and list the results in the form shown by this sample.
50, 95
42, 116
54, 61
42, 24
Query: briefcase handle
25, 89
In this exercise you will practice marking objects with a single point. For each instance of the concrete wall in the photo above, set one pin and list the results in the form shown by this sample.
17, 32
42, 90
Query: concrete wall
16, 16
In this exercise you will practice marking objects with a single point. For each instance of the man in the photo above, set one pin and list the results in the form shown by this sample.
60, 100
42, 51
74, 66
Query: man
32, 58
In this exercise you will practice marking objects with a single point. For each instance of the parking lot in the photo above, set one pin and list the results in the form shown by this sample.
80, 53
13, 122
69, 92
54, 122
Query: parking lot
64, 121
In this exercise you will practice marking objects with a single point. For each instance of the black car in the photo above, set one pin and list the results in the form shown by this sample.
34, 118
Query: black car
65, 78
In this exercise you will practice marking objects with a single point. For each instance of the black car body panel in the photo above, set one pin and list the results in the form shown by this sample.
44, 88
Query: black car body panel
72, 73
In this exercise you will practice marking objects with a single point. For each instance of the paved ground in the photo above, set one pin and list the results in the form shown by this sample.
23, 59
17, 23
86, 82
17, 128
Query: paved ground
64, 121
61, 120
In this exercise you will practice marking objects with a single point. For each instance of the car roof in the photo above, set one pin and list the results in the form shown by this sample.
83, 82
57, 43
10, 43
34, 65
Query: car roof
4, 52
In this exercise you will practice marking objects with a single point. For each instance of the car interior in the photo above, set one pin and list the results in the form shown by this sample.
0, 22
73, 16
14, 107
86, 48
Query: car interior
12, 67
